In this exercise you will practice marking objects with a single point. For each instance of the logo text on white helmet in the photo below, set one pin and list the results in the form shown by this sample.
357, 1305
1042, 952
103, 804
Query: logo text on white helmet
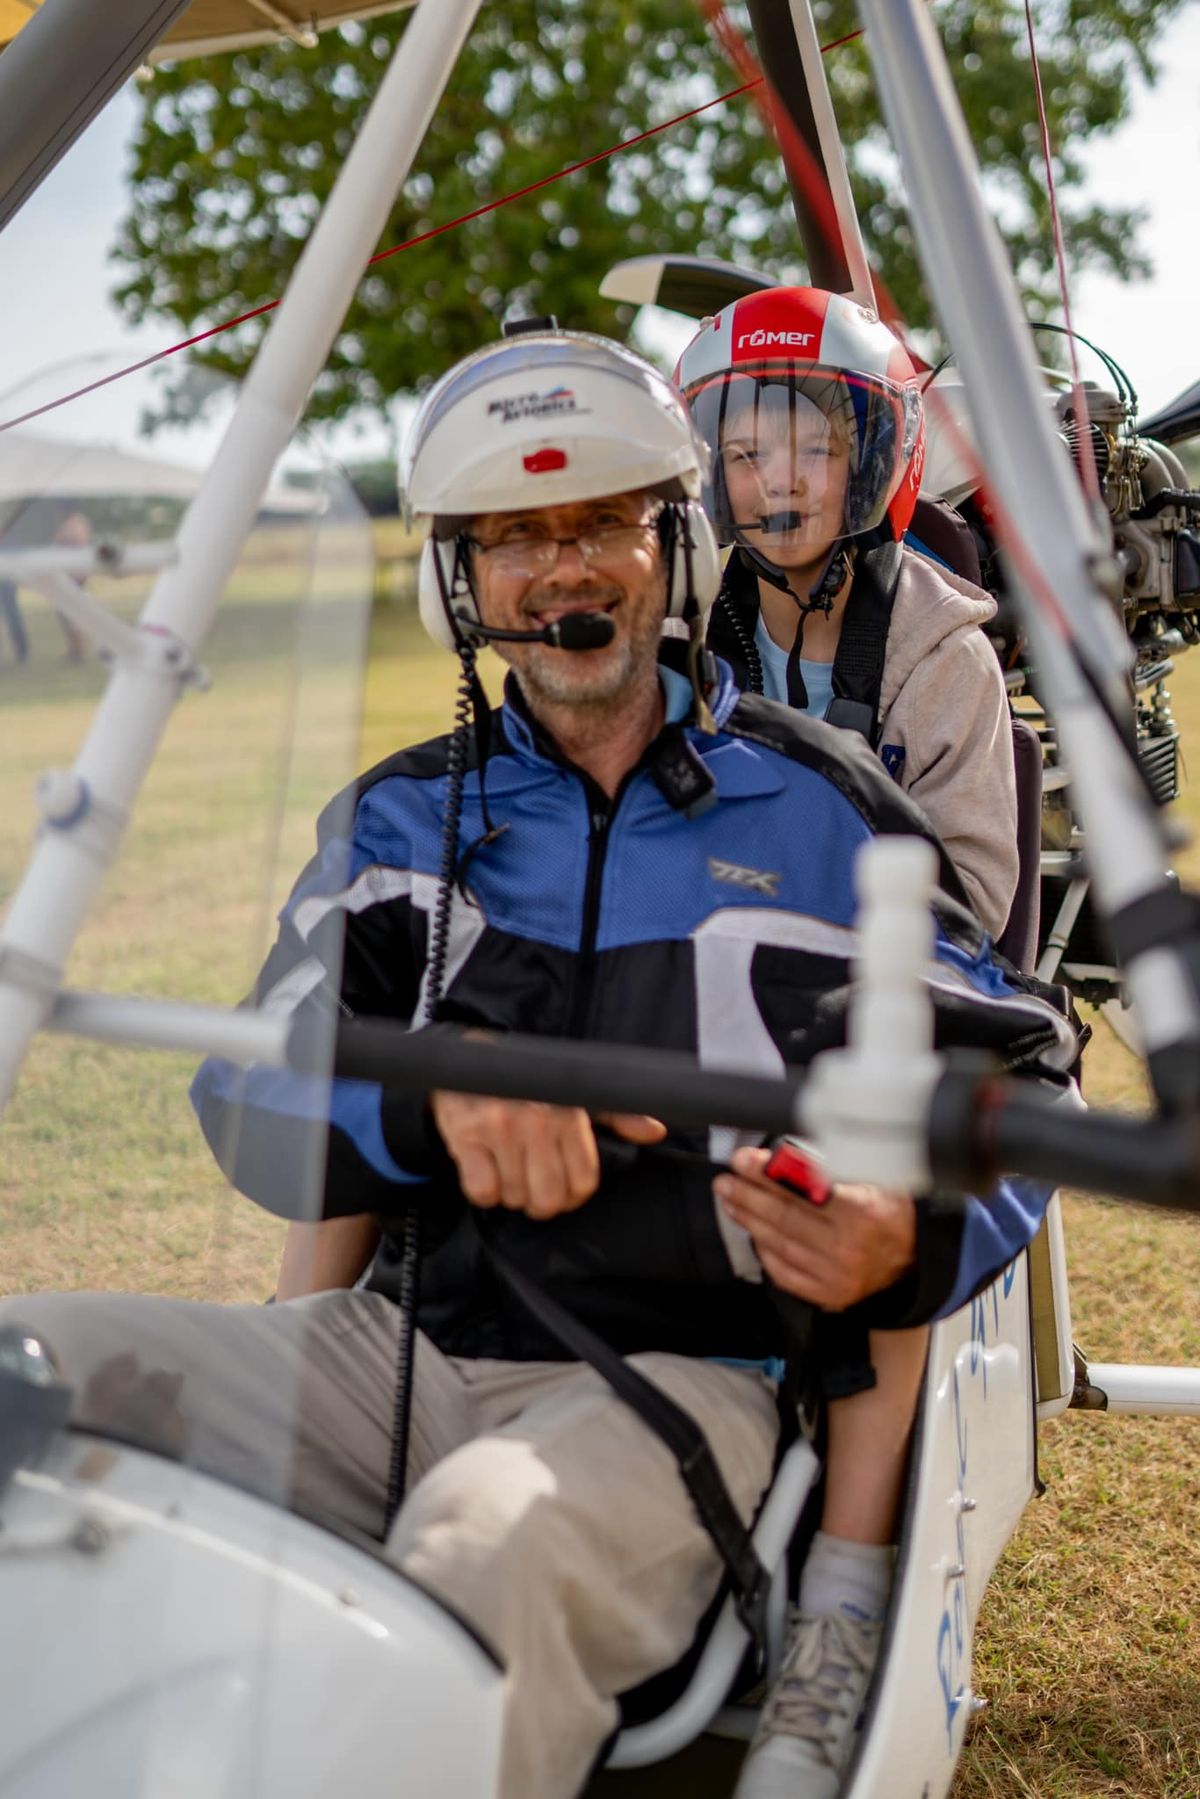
535, 406
759, 340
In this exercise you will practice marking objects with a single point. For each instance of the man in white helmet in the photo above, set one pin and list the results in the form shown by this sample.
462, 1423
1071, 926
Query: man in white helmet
623, 853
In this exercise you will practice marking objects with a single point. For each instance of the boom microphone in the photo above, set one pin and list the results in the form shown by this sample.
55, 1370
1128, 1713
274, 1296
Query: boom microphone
573, 631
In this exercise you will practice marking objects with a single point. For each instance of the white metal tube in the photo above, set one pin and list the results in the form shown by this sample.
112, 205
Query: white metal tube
103, 558
866, 1107
88, 614
682, 1722
1155, 1392
64, 873
244, 1036
832, 153
1027, 465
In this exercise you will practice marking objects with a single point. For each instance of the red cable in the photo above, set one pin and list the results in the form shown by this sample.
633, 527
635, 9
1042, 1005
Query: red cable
133, 367
410, 243
1085, 457
382, 256
626, 143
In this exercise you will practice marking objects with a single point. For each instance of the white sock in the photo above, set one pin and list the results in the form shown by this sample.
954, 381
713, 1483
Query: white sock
852, 1578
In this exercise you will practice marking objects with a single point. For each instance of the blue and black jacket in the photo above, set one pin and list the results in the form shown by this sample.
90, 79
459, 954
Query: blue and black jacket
723, 928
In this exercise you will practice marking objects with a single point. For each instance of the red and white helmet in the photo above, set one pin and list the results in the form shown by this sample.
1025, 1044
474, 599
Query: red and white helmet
802, 351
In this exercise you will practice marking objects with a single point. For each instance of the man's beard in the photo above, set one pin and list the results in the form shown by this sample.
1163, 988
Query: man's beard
577, 677
591, 678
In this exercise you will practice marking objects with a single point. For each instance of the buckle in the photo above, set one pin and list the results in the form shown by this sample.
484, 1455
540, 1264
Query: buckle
750, 1597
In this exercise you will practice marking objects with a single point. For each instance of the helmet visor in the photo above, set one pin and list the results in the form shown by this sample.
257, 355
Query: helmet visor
800, 459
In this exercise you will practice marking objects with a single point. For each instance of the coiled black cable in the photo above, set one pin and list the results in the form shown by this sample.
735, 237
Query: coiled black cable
746, 643
407, 1298
457, 757
409, 1293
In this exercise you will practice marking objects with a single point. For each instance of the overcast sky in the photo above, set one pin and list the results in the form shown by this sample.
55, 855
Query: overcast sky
54, 277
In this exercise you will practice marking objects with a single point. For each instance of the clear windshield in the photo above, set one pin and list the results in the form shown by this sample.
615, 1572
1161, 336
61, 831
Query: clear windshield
265, 737
108, 1182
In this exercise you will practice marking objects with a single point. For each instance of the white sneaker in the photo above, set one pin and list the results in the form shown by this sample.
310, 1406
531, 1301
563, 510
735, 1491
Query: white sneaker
812, 1717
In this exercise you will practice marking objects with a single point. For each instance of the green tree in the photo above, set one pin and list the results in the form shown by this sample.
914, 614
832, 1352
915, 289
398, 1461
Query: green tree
235, 155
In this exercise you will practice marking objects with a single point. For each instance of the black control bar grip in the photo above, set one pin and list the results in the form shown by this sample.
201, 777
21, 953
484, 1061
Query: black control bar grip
599, 1077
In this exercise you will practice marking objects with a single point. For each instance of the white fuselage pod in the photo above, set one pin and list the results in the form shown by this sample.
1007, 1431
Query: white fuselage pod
167, 1637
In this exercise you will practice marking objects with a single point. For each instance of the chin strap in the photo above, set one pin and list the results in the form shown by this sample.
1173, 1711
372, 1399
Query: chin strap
862, 641
820, 598
828, 584
766, 569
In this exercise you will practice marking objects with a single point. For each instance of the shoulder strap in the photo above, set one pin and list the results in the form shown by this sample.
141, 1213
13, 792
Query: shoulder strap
698, 1468
862, 644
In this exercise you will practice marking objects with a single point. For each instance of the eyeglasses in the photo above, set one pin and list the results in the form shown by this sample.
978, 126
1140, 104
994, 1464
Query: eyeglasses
530, 556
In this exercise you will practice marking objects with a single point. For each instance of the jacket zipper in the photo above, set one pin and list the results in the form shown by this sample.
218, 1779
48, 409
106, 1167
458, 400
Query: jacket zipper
600, 815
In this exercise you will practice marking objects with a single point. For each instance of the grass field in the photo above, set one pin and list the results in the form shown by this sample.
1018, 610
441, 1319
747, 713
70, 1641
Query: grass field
1087, 1646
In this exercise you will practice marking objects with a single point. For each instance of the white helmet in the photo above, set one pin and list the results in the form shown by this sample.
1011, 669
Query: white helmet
545, 418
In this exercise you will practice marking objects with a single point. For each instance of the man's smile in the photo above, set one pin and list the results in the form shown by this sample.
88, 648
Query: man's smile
549, 610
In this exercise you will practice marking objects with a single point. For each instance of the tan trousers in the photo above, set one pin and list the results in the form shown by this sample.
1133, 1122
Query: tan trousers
539, 1506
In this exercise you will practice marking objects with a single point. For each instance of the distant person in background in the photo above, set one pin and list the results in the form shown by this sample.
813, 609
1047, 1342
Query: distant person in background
34, 524
10, 611
75, 532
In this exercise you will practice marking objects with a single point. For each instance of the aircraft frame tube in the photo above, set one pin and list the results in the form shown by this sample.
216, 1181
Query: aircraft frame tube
857, 280
1028, 469
245, 1036
60, 70
982, 1125
596, 1076
1155, 1161
1144, 1390
64, 873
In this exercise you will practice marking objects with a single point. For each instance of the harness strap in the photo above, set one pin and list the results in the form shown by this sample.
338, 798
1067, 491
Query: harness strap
748, 1579
862, 643
797, 692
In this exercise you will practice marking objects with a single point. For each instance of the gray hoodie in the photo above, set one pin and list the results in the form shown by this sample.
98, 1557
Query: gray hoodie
945, 733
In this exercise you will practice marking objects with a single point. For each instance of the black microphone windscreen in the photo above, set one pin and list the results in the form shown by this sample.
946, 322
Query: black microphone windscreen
583, 631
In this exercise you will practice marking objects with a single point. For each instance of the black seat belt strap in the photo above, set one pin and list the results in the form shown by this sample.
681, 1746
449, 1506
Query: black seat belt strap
862, 642
748, 1579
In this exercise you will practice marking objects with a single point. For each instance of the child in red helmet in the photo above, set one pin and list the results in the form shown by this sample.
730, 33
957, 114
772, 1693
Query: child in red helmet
813, 412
